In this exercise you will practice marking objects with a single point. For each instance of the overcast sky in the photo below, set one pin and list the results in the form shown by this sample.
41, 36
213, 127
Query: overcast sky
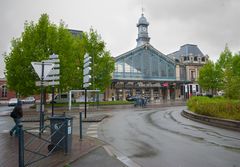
210, 24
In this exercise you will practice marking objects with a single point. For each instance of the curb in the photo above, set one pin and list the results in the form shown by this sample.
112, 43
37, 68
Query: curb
97, 118
218, 122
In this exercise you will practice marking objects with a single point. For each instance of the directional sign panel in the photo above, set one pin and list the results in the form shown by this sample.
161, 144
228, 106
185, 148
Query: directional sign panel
51, 78
87, 59
86, 78
53, 83
86, 85
86, 70
87, 64
38, 68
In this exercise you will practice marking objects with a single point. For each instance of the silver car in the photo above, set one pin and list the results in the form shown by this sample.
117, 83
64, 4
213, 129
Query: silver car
13, 102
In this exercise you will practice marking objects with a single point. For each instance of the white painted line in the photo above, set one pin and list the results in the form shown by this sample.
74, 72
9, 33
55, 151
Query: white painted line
6, 131
108, 150
128, 162
96, 136
91, 132
93, 128
94, 125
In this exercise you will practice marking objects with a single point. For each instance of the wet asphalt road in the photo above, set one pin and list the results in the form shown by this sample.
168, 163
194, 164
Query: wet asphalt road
163, 138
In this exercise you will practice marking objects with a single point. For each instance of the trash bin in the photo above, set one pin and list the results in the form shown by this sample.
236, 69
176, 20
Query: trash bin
61, 133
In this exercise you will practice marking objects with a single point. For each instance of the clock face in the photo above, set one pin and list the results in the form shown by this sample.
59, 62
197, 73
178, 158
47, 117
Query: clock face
144, 29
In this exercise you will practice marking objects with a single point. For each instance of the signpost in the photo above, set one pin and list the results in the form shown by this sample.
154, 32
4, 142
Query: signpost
86, 78
53, 76
48, 72
42, 69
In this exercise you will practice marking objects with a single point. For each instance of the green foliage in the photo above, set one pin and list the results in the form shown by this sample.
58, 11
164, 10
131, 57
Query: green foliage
223, 75
229, 67
209, 77
39, 41
102, 62
215, 107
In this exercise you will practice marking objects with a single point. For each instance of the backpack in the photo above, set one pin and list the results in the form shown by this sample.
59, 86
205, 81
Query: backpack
13, 114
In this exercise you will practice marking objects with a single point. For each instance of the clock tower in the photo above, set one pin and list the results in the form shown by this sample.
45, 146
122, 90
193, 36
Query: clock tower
142, 31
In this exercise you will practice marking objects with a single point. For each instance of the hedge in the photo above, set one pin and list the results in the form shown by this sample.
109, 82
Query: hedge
215, 107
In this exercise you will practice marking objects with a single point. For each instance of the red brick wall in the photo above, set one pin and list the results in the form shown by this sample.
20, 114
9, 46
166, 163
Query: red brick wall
10, 94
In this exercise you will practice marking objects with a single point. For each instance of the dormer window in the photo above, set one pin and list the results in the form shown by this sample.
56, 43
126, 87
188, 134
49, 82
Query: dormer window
203, 59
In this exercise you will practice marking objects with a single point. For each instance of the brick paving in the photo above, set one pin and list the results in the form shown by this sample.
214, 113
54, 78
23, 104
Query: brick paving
9, 151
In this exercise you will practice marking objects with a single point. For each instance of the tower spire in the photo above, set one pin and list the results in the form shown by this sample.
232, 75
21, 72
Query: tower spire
142, 25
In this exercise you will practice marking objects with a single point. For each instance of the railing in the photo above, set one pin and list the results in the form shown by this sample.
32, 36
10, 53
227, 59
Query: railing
33, 144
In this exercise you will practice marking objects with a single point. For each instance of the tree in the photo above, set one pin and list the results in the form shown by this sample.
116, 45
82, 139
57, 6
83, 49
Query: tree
102, 62
209, 77
36, 43
232, 78
42, 39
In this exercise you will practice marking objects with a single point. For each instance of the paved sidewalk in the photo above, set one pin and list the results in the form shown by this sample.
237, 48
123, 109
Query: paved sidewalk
88, 152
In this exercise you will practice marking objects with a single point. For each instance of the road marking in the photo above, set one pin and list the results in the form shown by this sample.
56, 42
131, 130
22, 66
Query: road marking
92, 130
113, 152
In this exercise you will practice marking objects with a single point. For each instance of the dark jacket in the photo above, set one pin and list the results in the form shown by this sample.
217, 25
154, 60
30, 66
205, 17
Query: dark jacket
17, 112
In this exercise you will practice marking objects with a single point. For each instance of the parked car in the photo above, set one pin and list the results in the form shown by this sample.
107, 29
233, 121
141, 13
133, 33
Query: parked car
29, 100
13, 102
131, 98
63, 98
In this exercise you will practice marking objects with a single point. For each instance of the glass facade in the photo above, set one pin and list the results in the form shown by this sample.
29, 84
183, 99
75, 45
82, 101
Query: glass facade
145, 65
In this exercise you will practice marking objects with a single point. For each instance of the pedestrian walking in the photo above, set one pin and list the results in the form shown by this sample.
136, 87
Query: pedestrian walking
16, 114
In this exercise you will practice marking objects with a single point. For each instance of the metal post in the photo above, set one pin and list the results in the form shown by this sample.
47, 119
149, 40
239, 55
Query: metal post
80, 124
41, 102
21, 146
52, 100
85, 110
66, 136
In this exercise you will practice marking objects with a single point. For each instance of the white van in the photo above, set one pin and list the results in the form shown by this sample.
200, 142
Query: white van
63, 98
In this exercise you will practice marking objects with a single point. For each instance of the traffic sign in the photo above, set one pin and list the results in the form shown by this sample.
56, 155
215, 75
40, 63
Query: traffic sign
86, 70
86, 78
52, 78
47, 67
85, 85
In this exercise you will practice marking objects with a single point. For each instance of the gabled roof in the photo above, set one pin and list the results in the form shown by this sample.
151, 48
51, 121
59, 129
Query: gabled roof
186, 50
145, 46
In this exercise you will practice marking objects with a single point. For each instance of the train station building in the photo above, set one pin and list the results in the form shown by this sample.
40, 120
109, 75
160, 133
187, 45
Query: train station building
145, 71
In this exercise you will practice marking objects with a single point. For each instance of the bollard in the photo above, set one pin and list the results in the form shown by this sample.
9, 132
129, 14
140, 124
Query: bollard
80, 124
21, 145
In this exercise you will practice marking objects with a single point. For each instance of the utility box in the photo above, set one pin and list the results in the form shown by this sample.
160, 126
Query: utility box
61, 133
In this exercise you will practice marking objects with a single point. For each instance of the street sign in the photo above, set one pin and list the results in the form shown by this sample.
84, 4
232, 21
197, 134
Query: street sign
85, 85
38, 83
87, 64
54, 71
53, 83
87, 59
52, 78
86, 78
86, 70
53, 75
38, 68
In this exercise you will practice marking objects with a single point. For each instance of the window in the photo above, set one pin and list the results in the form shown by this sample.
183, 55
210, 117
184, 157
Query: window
192, 75
203, 59
4, 91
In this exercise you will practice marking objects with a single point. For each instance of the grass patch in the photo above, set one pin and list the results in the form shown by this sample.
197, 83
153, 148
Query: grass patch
215, 107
